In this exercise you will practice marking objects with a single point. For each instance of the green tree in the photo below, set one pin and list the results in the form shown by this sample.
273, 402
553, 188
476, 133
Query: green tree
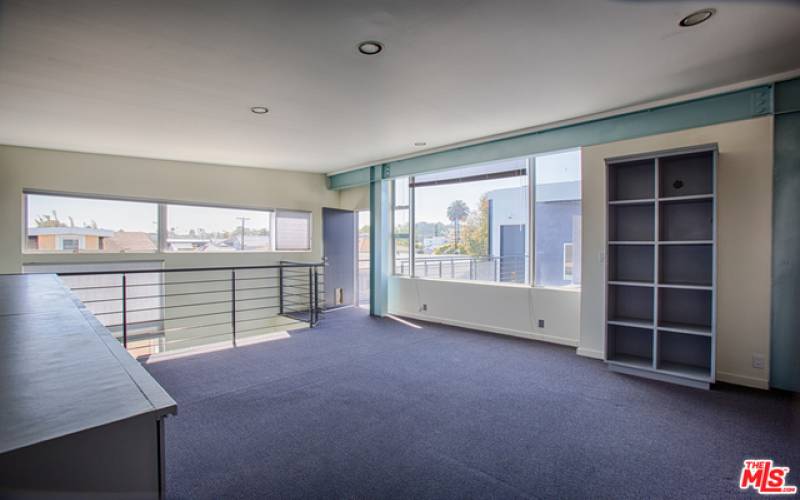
475, 234
457, 212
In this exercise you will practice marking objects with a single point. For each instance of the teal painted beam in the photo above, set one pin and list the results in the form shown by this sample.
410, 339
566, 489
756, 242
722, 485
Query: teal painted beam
353, 178
712, 110
732, 106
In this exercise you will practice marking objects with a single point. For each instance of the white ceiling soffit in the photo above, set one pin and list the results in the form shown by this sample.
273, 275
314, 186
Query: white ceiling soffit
176, 79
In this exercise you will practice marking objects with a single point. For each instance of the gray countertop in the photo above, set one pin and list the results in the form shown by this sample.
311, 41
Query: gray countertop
62, 372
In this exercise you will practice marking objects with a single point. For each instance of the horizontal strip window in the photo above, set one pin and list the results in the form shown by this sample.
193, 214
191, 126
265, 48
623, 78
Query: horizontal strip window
193, 228
70, 223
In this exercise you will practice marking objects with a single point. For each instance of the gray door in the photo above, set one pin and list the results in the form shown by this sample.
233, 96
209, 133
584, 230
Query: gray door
339, 251
512, 253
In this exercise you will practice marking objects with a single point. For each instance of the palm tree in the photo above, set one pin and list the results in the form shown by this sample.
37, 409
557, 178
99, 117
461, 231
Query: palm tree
457, 212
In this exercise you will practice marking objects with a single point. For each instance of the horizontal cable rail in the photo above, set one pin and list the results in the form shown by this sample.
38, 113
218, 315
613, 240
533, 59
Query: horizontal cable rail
149, 313
507, 268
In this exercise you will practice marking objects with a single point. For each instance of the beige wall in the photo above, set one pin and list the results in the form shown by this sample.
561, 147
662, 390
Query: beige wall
356, 198
506, 309
46, 242
60, 171
744, 241
92, 242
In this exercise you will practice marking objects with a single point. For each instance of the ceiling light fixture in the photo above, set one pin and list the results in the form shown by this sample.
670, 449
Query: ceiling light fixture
420, 143
259, 110
370, 47
698, 17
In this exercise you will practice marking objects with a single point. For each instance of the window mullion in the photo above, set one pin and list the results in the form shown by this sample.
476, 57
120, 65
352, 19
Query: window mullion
531, 167
411, 237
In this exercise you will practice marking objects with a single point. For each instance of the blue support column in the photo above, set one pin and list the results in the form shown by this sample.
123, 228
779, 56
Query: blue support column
380, 238
785, 334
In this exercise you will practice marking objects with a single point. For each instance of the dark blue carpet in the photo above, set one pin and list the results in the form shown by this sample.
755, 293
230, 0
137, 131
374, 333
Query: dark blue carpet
361, 407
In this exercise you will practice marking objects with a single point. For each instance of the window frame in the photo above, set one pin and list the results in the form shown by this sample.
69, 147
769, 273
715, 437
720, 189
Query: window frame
309, 232
530, 165
402, 236
161, 223
163, 232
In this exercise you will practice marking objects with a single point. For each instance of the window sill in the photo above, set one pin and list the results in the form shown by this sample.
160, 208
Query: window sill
571, 289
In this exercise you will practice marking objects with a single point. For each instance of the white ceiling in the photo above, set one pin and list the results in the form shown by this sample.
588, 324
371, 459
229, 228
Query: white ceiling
175, 79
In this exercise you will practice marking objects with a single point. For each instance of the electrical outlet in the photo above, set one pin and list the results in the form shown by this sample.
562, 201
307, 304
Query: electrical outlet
541, 323
758, 361
423, 308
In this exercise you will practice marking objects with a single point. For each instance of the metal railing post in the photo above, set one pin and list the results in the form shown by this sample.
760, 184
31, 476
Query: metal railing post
280, 289
124, 311
316, 295
233, 305
310, 298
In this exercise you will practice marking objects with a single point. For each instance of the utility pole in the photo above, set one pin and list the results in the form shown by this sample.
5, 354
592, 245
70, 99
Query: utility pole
243, 219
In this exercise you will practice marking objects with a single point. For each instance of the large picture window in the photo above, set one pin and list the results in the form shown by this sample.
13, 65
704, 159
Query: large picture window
66, 224
473, 222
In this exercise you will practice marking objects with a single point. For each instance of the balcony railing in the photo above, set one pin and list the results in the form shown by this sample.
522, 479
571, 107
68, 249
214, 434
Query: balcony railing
153, 311
509, 268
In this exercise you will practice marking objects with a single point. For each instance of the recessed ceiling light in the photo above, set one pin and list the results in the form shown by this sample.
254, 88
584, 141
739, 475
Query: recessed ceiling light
259, 110
698, 17
370, 47
420, 143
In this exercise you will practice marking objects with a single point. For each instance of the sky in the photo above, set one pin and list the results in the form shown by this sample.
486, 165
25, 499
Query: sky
139, 216
432, 202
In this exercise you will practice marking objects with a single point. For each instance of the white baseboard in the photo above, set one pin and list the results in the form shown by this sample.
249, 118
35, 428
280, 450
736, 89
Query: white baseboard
492, 329
590, 353
733, 378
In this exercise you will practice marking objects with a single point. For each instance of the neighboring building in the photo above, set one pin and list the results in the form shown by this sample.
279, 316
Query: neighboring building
88, 239
429, 244
68, 239
558, 226
131, 241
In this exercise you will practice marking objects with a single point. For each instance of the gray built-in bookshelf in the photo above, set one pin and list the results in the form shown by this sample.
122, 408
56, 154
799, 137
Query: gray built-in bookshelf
661, 265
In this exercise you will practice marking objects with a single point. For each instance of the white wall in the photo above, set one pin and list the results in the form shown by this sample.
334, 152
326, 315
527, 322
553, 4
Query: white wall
744, 235
61, 171
507, 309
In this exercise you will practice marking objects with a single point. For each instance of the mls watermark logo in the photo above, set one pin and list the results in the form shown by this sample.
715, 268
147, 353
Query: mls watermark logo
765, 477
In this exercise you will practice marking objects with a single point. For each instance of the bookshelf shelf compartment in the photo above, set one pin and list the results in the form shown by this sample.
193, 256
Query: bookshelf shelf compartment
686, 175
630, 304
686, 220
631, 180
631, 263
685, 354
685, 265
630, 346
688, 307
632, 222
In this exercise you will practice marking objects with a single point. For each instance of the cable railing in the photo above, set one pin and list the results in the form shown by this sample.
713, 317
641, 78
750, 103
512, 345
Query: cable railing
508, 268
153, 311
